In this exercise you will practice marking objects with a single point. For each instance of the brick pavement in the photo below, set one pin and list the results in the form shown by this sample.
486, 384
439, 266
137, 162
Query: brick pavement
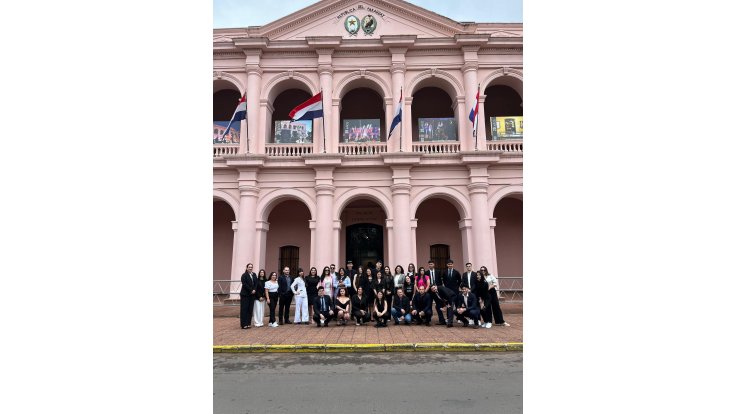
227, 331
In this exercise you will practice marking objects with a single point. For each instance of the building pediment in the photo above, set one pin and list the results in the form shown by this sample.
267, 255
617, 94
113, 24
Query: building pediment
361, 20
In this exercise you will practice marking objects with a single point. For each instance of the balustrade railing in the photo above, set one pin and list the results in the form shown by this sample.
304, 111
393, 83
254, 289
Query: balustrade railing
506, 145
288, 150
436, 147
368, 148
220, 150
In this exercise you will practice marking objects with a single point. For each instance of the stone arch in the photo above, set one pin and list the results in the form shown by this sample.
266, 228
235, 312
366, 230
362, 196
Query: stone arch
229, 199
270, 200
364, 79
494, 198
513, 78
230, 78
370, 193
453, 196
446, 82
284, 81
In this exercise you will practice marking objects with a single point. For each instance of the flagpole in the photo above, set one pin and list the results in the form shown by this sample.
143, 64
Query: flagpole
401, 121
475, 123
247, 136
324, 136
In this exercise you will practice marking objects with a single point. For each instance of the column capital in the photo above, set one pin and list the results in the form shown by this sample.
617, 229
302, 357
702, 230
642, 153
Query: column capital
262, 226
254, 70
235, 225
478, 187
325, 189
398, 68
312, 224
414, 223
325, 69
469, 66
336, 224
248, 190
492, 222
390, 224
465, 224
400, 188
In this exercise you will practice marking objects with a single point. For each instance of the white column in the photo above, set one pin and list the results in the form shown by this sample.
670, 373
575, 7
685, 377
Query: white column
391, 243
462, 123
407, 123
470, 84
260, 245
400, 191
235, 255
312, 246
398, 71
336, 227
482, 124
324, 232
254, 101
478, 189
246, 253
413, 259
324, 61
466, 227
264, 128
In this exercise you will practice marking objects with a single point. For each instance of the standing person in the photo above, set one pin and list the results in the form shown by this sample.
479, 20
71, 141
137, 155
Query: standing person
434, 274
368, 289
285, 295
469, 277
299, 288
359, 304
312, 280
451, 277
260, 301
467, 305
326, 281
421, 307
422, 279
322, 308
484, 299
350, 273
401, 309
408, 287
272, 298
495, 305
248, 282
398, 279
342, 281
381, 310
357, 279
342, 306
388, 283
411, 270
444, 299
379, 285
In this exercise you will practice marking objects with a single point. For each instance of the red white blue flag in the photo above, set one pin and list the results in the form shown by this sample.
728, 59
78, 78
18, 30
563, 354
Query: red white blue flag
474, 110
310, 109
397, 118
240, 112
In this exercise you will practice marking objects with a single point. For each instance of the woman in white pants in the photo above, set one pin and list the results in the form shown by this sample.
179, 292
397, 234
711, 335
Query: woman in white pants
260, 301
301, 313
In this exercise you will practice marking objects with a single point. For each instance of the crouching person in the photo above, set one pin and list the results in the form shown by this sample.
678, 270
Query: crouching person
401, 309
421, 307
467, 305
322, 308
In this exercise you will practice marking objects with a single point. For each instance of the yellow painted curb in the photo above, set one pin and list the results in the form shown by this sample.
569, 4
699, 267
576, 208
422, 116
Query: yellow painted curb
280, 348
404, 347
339, 348
399, 347
460, 347
309, 348
429, 346
490, 347
369, 347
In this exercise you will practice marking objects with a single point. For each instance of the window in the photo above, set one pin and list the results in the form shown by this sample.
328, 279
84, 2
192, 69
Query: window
440, 253
289, 256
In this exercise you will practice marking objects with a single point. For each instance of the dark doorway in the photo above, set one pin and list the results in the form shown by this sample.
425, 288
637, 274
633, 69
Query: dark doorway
364, 244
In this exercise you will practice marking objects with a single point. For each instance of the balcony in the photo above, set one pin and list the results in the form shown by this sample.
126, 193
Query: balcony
288, 150
436, 147
365, 148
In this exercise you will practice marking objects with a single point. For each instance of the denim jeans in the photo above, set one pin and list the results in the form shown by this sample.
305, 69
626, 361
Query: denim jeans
397, 314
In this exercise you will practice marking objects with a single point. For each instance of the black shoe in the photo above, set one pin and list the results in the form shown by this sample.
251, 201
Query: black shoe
281, 322
406, 323
476, 326
440, 323
327, 324
288, 322
427, 324
396, 322
449, 325
465, 324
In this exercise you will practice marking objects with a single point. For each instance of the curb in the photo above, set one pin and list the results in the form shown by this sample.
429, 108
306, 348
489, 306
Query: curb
418, 347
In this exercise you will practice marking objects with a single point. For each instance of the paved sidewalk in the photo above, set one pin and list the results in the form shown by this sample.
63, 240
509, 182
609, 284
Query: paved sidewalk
227, 332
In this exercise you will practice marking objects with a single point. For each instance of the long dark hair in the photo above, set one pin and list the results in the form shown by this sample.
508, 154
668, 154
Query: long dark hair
315, 271
325, 272
264, 274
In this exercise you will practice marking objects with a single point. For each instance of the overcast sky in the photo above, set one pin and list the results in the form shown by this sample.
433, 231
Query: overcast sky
242, 13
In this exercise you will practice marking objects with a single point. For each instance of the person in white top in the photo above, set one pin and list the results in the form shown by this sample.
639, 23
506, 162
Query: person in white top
301, 313
495, 305
326, 281
398, 277
272, 298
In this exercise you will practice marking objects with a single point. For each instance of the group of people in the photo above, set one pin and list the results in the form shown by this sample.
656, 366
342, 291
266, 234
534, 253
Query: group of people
372, 294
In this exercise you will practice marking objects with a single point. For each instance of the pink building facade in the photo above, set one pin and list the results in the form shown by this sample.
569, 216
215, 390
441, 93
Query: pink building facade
434, 189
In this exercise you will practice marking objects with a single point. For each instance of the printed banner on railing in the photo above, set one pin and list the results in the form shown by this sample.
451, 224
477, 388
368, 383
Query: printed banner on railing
232, 137
296, 132
507, 127
437, 129
361, 130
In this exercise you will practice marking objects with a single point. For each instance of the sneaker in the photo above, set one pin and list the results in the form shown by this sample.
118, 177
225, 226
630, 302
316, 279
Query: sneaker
471, 323
275, 325
503, 324
487, 325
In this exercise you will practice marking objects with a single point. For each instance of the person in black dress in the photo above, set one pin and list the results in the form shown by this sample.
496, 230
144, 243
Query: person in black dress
381, 311
311, 282
368, 283
359, 305
342, 306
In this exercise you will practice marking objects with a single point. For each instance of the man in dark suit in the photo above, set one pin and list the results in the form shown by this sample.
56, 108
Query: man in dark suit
421, 307
434, 274
467, 305
468, 277
444, 299
322, 308
285, 295
451, 277
248, 284
401, 308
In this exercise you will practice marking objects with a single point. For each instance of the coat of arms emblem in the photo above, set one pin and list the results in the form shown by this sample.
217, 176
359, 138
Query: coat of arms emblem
352, 25
369, 24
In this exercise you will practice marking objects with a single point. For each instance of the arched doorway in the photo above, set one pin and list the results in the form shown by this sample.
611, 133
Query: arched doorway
362, 116
282, 130
364, 235
504, 113
289, 237
438, 233
225, 99
222, 245
509, 237
432, 116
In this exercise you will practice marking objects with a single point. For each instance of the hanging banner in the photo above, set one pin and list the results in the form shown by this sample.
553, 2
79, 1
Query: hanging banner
507, 127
